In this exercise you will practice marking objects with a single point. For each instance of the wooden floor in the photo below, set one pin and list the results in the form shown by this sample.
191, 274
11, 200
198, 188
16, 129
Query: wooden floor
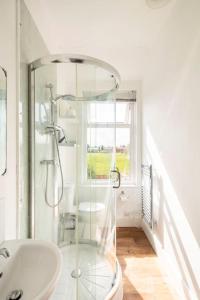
142, 277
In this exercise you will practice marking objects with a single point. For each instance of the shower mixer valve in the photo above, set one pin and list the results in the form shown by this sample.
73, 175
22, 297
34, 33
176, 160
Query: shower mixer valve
56, 128
48, 162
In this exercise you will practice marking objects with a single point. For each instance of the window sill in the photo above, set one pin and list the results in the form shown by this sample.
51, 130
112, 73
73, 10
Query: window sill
106, 185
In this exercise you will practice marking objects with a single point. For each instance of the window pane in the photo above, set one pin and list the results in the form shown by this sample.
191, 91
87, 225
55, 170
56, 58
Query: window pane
105, 113
123, 113
123, 152
101, 139
101, 113
100, 143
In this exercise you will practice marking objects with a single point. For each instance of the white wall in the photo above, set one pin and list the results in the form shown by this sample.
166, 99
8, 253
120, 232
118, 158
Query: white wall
8, 185
171, 122
118, 32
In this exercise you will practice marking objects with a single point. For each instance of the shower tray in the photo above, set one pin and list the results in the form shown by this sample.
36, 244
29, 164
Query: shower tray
95, 278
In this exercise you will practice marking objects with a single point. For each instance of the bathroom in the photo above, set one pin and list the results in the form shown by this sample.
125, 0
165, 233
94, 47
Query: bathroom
99, 149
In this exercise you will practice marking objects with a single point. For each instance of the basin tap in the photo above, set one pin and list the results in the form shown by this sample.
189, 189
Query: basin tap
4, 252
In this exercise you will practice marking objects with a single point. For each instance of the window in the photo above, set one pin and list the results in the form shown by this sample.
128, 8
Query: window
101, 138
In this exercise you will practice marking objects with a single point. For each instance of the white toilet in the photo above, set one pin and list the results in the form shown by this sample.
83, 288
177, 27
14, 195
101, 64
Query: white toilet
92, 212
91, 216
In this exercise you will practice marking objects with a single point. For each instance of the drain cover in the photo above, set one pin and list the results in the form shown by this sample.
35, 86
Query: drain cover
76, 273
15, 295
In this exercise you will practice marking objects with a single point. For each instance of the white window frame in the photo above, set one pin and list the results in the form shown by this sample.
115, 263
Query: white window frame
133, 148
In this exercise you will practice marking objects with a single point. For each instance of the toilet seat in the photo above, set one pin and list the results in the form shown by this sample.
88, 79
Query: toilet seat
92, 212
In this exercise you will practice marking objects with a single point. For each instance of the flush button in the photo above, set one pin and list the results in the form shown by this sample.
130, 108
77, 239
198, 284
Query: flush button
15, 295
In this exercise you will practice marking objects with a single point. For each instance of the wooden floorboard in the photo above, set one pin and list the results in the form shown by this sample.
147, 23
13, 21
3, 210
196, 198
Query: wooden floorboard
142, 276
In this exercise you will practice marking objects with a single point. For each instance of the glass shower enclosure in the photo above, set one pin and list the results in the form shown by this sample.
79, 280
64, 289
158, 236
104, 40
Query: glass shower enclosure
73, 175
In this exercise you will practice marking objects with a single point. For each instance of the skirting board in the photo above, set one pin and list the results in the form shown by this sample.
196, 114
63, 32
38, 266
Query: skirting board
172, 275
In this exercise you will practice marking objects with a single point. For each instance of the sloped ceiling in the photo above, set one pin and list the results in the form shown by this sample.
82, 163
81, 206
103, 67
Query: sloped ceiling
117, 31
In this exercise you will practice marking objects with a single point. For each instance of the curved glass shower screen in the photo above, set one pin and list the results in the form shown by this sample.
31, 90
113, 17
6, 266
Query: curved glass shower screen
72, 148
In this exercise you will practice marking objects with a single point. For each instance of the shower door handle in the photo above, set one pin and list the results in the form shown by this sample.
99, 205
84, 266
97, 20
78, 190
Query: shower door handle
118, 178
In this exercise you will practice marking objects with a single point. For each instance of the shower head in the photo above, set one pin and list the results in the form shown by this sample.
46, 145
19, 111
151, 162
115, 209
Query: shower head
53, 128
65, 97
49, 86
70, 97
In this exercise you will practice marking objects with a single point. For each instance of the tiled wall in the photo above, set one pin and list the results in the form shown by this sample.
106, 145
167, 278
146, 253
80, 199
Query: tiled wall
128, 207
44, 150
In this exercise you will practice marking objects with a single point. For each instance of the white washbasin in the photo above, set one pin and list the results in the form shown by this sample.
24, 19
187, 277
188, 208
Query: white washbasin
33, 267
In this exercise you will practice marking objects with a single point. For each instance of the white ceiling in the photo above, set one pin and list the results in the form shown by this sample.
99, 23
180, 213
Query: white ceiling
117, 31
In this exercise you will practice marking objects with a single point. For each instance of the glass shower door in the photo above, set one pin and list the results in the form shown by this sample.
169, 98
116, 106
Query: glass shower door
96, 267
86, 214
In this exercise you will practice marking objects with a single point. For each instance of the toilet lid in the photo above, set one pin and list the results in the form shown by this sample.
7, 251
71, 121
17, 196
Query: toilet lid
91, 206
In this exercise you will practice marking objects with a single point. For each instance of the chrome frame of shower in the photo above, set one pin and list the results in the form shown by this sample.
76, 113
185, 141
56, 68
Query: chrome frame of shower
31, 154
54, 59
81, 59
6, 115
